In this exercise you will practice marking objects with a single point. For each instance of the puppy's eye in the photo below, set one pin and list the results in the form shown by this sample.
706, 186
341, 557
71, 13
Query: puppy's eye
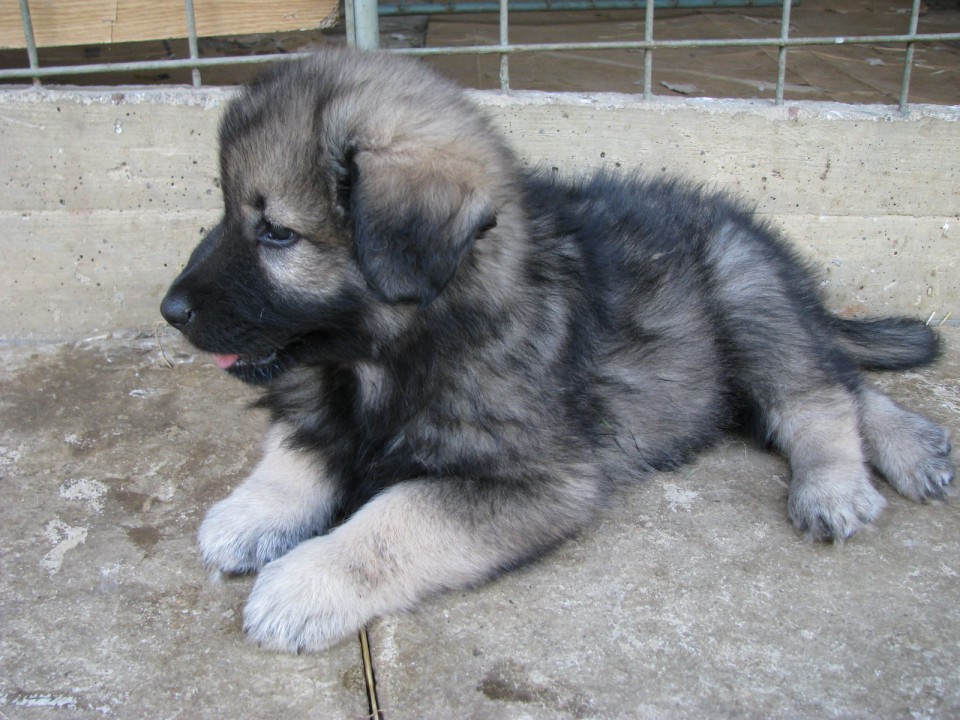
275, 236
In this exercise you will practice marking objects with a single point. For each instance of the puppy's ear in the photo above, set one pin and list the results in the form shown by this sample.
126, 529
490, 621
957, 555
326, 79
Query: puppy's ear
415, 217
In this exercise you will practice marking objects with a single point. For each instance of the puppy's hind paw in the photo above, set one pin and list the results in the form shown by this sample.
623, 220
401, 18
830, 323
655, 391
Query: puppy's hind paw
825, 510
929, 480
916, 459
911, 452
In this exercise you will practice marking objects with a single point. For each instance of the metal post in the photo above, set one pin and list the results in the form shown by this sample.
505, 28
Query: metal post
366, 24
908, 60
782, 54
348, 22
192, 41
648, 52
504, 41
28, 35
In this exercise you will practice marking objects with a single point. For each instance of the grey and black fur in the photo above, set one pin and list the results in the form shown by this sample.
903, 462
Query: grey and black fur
463, 358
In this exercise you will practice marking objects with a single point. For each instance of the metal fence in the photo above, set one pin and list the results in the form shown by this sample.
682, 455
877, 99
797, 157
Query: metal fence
362, 24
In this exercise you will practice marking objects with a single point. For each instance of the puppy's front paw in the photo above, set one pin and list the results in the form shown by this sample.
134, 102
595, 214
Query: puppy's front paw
833, 504
238, 537
286, 500
306, 601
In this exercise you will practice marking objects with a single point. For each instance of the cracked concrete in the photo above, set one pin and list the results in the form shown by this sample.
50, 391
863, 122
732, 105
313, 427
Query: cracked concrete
693, 597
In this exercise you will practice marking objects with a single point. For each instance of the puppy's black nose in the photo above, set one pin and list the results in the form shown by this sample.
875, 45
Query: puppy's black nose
176, 309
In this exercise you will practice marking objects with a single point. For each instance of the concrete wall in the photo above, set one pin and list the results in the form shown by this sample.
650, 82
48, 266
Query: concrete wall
107, 192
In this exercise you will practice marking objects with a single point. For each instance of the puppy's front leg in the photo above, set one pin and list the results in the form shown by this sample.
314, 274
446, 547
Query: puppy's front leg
287, 499
415, 539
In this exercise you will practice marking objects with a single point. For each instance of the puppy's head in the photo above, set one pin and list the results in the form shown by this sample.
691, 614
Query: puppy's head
351, 182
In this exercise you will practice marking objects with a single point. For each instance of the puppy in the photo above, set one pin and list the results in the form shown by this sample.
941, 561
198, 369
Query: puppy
463, 358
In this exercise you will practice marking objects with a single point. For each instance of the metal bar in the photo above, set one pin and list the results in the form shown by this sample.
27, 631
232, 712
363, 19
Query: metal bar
366, 24
32, 56
648, 52
490, 6
348, 21
782, 54
141, 65
504, 58
481, 50
192, 41
678, 44
908, 60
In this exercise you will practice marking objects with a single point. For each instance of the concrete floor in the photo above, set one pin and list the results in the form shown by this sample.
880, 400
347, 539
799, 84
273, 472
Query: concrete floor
693, 598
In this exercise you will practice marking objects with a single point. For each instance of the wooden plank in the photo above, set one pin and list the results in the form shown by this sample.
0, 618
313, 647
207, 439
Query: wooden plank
94, 22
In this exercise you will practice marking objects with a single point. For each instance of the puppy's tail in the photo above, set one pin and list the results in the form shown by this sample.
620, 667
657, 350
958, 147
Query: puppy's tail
896, 343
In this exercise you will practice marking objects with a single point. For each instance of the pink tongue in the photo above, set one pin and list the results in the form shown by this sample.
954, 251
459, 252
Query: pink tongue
225, 361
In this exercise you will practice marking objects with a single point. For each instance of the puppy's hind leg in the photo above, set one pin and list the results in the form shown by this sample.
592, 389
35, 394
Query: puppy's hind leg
831, 496
788, 368
911, 452
415, 539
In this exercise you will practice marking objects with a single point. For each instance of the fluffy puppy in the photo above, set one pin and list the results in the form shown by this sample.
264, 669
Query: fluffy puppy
462, 358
